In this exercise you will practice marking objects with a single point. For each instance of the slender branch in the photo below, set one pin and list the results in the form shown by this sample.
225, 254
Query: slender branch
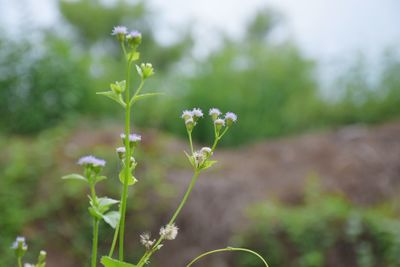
190, 141
148, 254
228, 249
114, 242
19, 261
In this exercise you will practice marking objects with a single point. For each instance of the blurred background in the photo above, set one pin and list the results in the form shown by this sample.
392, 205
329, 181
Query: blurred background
310, 175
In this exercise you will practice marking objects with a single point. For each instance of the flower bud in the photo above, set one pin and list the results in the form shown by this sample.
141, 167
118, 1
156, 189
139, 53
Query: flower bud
134, 139
197, 113
134, 38
189, 124
19, 246
186, 114
42, 257
147, 70
219, 123
118, 87
121, 152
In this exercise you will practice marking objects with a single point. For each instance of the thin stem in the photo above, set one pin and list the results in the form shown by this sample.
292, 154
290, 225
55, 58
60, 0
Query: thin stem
190, 141
148, 254
127, 170
114, 242
95, 241
228, 249
19, 261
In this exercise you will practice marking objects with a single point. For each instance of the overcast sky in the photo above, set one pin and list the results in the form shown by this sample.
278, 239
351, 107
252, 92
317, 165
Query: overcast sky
325, 30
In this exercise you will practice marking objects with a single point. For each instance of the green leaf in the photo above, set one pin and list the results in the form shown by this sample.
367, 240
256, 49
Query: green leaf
116, 97
132, 180
141, 96
109, 262
95, 213
139, 70
100, 178
112, 218
133, 55
208, 164
106, 201
75, 176
190, 158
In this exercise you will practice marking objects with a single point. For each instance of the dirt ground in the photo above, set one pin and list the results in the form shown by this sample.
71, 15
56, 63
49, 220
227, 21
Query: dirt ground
363, 163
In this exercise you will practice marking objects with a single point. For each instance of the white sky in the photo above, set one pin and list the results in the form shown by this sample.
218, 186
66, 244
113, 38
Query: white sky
325, 30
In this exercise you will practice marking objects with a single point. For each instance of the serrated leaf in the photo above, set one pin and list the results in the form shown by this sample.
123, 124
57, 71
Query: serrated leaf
109, 262
208, 164
131, 179
75, 176
141, 96
117, 98
112, 218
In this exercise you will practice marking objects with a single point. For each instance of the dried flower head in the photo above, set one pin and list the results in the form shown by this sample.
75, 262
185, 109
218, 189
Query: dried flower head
91, 161
169, 232
206, 151
145, 240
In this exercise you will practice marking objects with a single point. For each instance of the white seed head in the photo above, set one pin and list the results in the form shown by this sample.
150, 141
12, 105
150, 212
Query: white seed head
145, 240
169, 232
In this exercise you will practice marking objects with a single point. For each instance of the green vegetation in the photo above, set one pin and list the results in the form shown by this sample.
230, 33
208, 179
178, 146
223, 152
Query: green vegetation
325, 230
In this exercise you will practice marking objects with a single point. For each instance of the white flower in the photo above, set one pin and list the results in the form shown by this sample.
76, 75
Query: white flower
187, 114
214, 112
133, 138
169, 232
91, 161
145, 240
219, 122
19, 240
199, 158
230, 117
197, 113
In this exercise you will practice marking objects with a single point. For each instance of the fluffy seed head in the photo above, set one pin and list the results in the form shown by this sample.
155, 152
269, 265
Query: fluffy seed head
145, 240
169, 232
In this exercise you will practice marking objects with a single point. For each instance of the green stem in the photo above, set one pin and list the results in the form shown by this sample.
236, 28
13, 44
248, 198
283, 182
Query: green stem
228, 249
124, 195
148, 254
114, 242
190, 141
95, 241
19, 261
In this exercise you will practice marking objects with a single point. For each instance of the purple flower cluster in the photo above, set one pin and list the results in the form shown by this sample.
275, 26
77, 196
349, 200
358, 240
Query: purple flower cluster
92, 161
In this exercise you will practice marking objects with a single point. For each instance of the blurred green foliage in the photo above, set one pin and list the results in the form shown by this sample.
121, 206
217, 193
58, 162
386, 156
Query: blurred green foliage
40, 86
324, 231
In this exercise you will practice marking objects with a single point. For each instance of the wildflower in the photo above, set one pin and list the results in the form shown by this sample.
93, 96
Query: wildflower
219, 123
120, 32
206, 151
146, 70
121, 152
230, 118
91, 161
134, 139
187, 114
169, 232
189, 124
214, 113
134, 38
42, 257
19, 246
145, 240
197, 113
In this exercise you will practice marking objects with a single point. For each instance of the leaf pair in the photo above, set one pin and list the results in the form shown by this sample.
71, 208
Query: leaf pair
99, 208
